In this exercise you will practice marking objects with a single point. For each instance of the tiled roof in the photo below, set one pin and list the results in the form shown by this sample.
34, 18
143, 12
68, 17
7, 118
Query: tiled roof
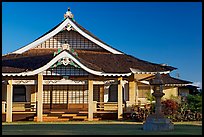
167, 79
99, 61
92, 35
120, 63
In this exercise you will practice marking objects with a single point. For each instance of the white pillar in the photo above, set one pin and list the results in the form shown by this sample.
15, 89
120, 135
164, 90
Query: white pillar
9, 101
120, 98
90, 100
136, 88
40, 98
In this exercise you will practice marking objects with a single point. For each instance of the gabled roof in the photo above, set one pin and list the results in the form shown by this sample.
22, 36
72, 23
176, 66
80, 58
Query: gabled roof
46, 61
103, 62
60, 27
111, 62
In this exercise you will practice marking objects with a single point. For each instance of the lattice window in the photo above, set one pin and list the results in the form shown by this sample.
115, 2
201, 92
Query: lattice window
46, 94
78, 94
66, 71
63, 94
74, 39
59, 95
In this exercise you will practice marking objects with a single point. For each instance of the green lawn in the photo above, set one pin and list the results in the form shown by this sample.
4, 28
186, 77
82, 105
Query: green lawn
95, 128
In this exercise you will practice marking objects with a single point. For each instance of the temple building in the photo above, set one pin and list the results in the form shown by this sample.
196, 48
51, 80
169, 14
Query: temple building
70, 74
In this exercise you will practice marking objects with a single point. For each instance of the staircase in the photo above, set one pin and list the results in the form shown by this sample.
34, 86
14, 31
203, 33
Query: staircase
63, 117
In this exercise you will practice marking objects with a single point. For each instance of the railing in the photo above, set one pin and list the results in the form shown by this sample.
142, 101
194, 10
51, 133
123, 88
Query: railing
106, 106
20, 106
3, 106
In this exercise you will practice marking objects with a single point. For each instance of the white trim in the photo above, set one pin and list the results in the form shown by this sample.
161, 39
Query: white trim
144, 82
136, 71
63, 82
175, 85
55, 59
115, 74
93, 39
58, 29
56, 82
24, 82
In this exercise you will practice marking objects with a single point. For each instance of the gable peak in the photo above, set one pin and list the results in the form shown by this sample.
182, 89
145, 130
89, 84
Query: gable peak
68, 14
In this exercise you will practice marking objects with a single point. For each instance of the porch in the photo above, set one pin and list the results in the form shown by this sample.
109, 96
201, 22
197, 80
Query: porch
26, 111
95, 96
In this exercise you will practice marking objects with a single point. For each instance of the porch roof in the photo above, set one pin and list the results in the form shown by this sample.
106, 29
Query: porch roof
168, 80
95, 60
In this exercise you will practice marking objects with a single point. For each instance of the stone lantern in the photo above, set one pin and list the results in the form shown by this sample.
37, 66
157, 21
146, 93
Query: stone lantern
157, 121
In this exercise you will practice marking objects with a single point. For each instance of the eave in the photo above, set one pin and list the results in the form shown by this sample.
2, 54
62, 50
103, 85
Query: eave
64, 54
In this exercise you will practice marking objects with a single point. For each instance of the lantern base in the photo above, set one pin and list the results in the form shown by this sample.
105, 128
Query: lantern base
155, 123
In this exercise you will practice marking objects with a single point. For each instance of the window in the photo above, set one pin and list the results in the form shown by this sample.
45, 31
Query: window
143, 91
19, 93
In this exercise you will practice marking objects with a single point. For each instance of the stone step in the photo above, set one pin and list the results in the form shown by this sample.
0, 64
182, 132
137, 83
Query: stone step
79, 117
69, 115
52, 119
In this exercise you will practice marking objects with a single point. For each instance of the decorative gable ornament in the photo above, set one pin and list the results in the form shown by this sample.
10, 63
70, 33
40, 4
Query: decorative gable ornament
68, 14
65, 61
66, 46
68, 27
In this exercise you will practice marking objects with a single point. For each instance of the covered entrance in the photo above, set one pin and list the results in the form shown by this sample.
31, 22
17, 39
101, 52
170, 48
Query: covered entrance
65, 97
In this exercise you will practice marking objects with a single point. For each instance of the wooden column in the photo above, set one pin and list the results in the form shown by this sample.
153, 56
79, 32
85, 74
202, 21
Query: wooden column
136, 88
9, 101
132, 92
40, 98
90, 100
120, 98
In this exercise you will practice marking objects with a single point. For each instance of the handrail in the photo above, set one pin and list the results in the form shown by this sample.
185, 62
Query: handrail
28, 105
107, 106
107, 102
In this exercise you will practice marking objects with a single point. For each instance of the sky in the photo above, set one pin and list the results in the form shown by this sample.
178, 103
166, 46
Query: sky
159, 32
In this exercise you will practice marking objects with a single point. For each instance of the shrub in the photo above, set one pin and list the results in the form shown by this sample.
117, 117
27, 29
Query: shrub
169, 107
194, 103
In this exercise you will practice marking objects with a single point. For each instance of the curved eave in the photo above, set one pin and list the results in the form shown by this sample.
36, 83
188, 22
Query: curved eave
136, 71
55, 59
57, 30
178, 85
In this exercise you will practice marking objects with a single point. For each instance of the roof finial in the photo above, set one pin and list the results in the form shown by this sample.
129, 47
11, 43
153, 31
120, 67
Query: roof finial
68, 14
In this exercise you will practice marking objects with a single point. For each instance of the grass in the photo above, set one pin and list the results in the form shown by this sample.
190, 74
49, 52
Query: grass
95, 128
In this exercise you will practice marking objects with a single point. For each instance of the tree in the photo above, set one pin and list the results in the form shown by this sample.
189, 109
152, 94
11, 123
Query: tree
194, 103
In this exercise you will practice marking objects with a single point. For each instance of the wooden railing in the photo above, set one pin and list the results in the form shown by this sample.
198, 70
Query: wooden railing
106, 106
20, 106
3, 106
